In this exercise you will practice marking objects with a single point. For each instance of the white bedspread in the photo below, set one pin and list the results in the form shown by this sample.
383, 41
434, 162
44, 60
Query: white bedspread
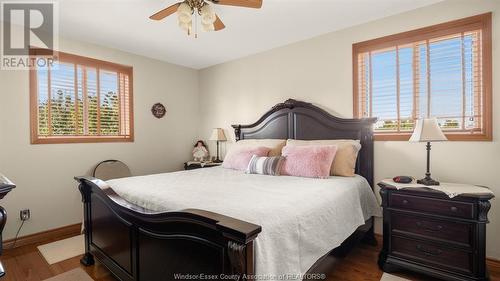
302, 219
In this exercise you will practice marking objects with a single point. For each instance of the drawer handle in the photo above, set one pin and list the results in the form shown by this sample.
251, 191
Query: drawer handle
454, 209
428, 252
405, 202
430, 229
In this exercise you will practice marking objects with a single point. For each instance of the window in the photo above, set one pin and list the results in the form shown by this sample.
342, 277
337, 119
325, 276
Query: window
78, 99
442, 71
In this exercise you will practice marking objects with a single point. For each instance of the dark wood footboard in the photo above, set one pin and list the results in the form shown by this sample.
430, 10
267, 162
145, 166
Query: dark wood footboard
139, 244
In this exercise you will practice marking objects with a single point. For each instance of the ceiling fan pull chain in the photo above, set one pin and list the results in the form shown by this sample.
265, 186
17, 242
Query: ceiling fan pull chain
196, 26
193, 28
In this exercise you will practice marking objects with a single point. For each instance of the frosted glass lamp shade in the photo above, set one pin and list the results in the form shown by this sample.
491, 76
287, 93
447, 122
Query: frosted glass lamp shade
218, 135
427, 130
207, 14
208, 27
184, 14
186, 26
184, 8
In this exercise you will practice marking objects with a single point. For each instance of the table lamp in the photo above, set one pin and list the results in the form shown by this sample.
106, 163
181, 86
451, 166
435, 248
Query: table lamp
428, 130
218, 136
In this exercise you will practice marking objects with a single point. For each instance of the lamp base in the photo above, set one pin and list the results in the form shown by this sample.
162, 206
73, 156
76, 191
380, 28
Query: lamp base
217, 161
428, 181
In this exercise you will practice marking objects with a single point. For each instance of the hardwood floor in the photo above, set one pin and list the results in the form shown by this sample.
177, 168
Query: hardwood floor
26, 264
361, 265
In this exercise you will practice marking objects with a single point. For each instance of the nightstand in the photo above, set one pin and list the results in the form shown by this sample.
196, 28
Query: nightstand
428, 232
199, 165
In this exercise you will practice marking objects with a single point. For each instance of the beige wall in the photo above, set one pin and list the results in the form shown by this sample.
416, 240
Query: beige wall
319, 70
44, 173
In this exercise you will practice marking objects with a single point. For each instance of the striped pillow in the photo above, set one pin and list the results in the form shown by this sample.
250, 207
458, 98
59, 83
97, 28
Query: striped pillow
265, 165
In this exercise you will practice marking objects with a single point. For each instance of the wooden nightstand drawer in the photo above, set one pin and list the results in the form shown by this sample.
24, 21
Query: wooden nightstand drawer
449, 231
432, 206
432, 254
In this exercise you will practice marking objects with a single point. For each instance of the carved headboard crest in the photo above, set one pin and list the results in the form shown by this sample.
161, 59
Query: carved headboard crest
289, 103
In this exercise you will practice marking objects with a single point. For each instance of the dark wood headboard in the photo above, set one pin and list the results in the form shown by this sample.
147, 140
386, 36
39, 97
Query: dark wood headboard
303, 121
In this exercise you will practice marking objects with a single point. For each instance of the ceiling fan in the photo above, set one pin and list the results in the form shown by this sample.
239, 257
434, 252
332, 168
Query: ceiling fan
188, 9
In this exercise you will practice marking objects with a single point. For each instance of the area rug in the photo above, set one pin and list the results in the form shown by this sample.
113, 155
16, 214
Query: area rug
63, 249
390, 277
76, 274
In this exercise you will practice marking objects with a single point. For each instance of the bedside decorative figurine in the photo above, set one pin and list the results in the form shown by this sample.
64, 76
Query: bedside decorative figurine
427, 130
200, 151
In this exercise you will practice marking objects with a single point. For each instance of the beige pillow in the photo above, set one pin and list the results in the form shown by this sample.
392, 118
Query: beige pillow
344, 163
274, 144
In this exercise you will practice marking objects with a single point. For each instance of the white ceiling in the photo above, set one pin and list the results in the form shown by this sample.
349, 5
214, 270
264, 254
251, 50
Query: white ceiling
124, 25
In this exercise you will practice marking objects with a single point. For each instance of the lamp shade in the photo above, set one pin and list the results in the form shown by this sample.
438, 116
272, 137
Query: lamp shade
218, 135
184, 16
207, 14
427, 130
208, 27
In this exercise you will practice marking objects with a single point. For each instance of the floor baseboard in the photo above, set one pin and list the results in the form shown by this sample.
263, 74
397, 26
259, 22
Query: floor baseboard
48, 235
493, 262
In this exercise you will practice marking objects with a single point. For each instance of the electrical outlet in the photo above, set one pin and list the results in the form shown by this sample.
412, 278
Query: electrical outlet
24, 214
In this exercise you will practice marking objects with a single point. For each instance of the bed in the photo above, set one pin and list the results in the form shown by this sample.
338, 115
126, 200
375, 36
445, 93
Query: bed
219, 221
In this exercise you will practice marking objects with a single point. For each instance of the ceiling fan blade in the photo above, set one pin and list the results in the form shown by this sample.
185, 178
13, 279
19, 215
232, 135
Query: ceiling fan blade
165, 12
218, 24
257, 4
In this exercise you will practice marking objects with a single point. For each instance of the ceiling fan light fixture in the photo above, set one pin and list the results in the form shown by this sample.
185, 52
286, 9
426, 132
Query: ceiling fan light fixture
184, 13
186, 26
208, 27
183, 18
189, 9
207, 14
184, 8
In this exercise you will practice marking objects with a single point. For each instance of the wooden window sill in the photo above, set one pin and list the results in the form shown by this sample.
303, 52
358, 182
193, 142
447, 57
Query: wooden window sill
61, 140
451, 137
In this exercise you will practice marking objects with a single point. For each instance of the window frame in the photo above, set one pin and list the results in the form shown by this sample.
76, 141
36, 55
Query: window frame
483, 22
86, 61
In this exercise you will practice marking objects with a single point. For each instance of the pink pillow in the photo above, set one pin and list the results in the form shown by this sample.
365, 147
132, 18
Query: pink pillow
312, 161
239, 158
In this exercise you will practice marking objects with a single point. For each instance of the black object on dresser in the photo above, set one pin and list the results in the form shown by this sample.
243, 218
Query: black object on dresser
5, 187
428, 232
196, 165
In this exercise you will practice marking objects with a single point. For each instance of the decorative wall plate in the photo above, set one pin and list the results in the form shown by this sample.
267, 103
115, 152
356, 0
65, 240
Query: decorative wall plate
158, 110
